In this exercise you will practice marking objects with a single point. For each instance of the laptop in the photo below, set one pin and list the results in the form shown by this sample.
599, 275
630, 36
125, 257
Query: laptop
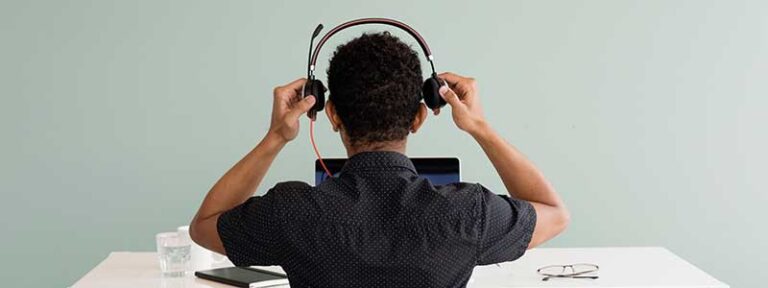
439, 171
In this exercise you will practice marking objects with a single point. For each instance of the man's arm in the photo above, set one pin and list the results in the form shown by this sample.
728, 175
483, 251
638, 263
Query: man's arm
525, 182
241, 181
521, 178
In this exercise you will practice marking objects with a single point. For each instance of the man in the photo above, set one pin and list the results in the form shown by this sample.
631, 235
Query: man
378, 224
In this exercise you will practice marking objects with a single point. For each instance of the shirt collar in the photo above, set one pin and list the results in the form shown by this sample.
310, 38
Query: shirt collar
377, 160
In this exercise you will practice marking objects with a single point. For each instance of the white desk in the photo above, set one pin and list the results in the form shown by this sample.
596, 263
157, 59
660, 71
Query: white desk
619, 267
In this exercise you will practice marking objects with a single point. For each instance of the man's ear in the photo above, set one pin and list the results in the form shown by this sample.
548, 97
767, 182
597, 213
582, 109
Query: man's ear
418, 120
330, 111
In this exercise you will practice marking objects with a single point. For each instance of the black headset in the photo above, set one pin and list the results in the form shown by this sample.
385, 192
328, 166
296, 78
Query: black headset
429, 91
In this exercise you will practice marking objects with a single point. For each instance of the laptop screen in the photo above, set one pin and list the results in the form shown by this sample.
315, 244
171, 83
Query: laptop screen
439, 171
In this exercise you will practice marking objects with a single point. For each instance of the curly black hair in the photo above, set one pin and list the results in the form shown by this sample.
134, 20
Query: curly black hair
375, 84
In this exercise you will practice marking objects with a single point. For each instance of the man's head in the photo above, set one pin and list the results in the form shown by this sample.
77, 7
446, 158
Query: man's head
375, 91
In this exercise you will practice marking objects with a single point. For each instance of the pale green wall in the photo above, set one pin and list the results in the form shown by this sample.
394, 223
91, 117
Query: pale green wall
648, 116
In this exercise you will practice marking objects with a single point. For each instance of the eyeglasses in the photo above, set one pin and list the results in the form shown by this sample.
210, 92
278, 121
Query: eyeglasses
575, 271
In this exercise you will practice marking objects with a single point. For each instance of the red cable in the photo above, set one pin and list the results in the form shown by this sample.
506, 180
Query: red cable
314, 146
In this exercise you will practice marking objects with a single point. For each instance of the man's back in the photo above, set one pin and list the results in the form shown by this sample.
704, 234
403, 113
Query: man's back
377, 225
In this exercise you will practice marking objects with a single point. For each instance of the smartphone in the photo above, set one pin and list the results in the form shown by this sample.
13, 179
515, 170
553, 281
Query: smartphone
246, 277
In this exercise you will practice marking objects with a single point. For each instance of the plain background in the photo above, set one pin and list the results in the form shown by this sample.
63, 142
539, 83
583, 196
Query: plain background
647, 116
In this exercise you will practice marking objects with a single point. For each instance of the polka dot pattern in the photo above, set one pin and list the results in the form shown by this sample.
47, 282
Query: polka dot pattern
377, 225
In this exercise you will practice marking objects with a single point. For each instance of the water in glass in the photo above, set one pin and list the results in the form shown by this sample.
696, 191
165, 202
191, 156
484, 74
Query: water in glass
173, 252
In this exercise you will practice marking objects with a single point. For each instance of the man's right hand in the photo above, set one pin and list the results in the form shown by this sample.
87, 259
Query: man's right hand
461, 94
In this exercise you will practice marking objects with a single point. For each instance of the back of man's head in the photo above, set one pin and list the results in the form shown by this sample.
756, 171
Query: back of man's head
375, 84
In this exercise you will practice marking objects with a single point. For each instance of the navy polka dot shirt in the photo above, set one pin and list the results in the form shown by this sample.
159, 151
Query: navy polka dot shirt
377, 225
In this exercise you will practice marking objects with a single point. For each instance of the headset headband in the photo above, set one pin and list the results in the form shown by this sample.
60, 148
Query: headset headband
361, 21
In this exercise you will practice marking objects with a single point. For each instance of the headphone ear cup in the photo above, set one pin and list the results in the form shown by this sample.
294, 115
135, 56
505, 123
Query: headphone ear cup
317, 89
431, 93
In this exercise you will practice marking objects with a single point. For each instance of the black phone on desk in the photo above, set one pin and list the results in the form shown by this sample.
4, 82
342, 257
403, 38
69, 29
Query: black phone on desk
246, 277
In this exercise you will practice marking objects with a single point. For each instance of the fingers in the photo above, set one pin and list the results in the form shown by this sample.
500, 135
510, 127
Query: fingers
451, 78
302, 107
290, 89
463, 85
295, 84
450, 97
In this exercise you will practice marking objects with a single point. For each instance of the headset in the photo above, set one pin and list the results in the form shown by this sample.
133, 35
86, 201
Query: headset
429, 90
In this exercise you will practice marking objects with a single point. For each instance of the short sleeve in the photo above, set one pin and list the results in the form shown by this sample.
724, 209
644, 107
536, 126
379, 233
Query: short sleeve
250, 232
506, 229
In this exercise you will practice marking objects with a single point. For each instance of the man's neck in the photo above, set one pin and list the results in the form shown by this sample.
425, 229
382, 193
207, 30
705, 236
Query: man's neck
392, 146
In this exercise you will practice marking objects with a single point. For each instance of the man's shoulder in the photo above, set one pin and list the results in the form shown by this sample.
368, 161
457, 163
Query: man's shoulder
292, 186
460, 190
460, 197
472, 196
465, 187
289, 189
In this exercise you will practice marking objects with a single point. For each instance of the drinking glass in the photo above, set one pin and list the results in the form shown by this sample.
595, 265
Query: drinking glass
173, 251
